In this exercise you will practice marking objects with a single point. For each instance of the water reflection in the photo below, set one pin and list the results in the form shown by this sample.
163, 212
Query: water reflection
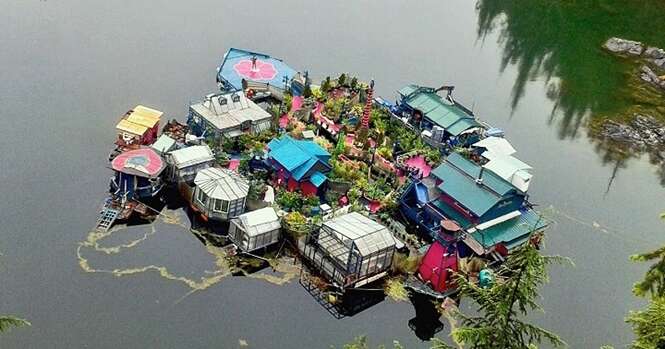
559, 41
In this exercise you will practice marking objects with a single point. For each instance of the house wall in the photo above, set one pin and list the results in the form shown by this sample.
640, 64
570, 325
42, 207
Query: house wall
207, 206
459, 208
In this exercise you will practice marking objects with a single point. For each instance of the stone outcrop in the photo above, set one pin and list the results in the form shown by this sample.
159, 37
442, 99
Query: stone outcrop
642, 132
623, 46
648, 75
651, 54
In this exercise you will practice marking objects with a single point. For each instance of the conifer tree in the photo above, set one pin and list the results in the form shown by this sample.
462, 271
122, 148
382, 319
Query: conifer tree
501, 308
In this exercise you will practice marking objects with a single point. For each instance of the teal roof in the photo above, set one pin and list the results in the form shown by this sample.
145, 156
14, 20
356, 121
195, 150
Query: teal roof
511, 232
297, 156
441, 112
490, 179
450, 213
458, 176
318, 178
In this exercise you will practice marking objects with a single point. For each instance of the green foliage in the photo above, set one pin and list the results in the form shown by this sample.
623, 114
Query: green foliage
347, 171
326, 85
341, 80
403, 264
257, 189
649, 325
354, 83
222, 158
296, 225
6, 322
288, 200
654, 280
501, 307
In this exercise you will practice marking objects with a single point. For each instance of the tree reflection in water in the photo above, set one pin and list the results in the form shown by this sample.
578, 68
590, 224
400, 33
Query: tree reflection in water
560, 42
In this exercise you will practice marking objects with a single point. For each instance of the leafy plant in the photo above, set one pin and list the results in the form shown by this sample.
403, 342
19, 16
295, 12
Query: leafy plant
288, 200
296, 225
6, 322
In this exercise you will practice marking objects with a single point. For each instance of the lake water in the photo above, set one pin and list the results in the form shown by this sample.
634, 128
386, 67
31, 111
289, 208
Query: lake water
70, 68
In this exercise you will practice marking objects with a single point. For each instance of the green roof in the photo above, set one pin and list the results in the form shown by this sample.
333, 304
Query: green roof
450, 213
490, 179
458, 176
464, 189
442, 113
511, 232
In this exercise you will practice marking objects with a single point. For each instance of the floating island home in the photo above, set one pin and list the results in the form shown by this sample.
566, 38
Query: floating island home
471, 205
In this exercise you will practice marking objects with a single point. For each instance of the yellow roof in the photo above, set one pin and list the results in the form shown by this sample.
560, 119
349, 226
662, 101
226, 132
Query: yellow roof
145, 111
128, 126
142, 120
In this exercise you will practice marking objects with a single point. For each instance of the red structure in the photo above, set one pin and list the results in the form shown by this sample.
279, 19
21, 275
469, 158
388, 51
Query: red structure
438, 267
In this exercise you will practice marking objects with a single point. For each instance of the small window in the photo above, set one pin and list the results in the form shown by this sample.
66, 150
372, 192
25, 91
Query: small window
225, 206
222, 100
218, 205
235, 98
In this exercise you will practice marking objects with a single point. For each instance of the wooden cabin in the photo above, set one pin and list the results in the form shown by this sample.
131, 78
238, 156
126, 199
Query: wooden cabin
219, 194
254, 230
139, 126
137, 174
350, 250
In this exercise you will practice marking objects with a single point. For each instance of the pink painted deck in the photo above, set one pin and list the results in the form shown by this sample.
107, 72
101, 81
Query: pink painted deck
296, 103
419, 162
234, 164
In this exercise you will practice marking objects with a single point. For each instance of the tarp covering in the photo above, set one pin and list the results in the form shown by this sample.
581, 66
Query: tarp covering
142, 162
438, 266
237, 65
498, 145
224, 184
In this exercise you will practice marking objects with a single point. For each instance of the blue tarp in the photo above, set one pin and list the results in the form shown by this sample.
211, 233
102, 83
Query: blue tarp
237, 65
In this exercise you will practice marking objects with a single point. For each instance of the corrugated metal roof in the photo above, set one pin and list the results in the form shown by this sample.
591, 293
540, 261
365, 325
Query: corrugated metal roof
490, 179
506, 166
221, 183
318, 178
128, 126
440, 111
258, 222
512, 232
368, 235
450, 213
297, 156
190, 156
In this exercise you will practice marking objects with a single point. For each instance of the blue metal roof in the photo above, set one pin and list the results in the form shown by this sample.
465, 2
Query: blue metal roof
297, 156
236, 64
318, 178
511, 232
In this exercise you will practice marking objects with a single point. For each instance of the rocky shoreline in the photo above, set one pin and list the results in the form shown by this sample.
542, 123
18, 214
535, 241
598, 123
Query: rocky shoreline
652, 55
644, 132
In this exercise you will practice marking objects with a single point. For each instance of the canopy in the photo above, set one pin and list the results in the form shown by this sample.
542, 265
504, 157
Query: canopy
130, 127
497, 145
219, 183
511, 169
142, 162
